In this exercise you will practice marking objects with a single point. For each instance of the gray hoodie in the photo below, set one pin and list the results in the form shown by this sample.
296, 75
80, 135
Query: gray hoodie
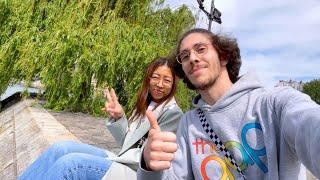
268, 132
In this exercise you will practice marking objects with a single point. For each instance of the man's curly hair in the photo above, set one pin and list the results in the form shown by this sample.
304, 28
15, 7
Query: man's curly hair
226, 47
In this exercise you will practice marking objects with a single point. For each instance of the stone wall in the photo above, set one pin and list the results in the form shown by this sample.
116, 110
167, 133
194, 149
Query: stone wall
25, 132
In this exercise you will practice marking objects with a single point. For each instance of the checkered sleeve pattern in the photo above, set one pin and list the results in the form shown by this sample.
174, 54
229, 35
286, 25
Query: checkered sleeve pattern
214, 137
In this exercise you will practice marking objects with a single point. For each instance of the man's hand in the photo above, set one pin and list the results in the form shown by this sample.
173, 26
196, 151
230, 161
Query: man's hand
112, 105
160, 148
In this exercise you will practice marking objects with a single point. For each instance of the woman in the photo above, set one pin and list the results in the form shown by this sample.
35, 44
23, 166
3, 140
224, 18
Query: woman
72, 160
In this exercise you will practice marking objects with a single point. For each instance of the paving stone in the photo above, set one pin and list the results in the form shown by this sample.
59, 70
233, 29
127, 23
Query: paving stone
6, 144
8, 173
7, 150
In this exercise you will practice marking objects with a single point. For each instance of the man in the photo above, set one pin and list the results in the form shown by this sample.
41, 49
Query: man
237, 128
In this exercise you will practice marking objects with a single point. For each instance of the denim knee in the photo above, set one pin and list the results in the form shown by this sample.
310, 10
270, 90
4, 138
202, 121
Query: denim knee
71, 160
61, 148
73, 163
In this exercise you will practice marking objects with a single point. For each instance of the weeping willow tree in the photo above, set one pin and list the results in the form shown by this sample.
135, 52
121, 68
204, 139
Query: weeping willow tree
312, 88
79, 47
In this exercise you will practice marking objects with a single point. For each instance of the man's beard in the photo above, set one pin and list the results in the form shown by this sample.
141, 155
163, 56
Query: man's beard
206, 85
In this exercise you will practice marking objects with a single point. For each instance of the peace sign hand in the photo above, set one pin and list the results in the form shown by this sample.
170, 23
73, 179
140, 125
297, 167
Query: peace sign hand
112, 105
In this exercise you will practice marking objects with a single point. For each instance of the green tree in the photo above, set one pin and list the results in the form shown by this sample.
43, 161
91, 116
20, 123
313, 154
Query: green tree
312, 88
77, 48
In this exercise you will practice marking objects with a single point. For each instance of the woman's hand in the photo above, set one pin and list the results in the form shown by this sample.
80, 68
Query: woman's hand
112, 105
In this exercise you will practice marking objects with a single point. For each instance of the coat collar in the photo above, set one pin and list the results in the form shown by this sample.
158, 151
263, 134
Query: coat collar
145, 125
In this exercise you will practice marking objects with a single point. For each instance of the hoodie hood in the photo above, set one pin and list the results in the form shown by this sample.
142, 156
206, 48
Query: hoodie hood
245, 84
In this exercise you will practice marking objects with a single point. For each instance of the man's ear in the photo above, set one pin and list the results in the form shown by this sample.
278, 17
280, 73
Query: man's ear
223, 60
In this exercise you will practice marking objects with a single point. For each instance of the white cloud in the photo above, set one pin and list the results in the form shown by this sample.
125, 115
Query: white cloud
283, 65
278, 39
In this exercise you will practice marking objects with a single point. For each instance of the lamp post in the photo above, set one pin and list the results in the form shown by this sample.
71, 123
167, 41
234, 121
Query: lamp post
214, 15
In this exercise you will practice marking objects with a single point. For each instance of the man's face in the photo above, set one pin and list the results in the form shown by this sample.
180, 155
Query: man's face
200, 61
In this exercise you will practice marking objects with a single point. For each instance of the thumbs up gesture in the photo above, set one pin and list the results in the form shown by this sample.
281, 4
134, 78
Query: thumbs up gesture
160, 148
112, 105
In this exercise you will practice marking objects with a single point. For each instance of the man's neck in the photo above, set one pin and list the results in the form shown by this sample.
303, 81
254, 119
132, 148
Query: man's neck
219, 88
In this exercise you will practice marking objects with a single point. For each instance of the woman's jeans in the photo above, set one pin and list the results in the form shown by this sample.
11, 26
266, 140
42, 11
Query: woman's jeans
69, 160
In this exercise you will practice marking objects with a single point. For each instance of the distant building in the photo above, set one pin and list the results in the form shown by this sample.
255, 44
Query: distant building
294, 84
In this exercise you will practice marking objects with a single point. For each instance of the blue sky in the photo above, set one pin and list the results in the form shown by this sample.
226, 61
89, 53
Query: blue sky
279, 40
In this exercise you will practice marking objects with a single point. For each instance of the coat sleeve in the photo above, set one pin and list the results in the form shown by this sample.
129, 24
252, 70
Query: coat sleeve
300, 125
118, 128
181, 165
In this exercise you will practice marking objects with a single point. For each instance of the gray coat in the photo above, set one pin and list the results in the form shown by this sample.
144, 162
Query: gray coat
125, 164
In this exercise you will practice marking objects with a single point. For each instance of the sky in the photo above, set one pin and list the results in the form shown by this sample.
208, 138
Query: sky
278, 39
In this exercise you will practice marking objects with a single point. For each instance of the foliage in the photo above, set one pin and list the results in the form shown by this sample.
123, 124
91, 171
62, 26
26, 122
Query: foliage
77, 48
312, 88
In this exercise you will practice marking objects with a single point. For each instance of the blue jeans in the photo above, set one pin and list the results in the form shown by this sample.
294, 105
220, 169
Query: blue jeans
69, 160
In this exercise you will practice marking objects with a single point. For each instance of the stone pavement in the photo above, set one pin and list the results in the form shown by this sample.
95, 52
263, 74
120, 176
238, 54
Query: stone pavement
88, 129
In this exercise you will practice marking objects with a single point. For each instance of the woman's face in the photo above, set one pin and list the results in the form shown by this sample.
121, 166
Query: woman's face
161, 82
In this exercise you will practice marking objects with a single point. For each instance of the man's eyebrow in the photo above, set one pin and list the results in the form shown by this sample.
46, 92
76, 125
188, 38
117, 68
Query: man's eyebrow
198, 44
194, 45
